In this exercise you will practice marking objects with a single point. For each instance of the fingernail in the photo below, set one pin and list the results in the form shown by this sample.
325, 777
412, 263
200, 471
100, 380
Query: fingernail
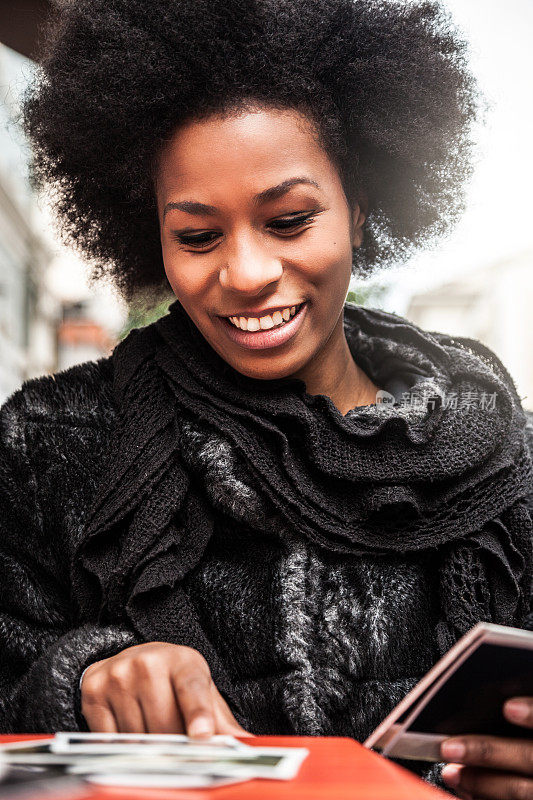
517, 710
201, 726
452, 751
451, 774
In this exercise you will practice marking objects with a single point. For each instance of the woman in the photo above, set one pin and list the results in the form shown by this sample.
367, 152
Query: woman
221, 529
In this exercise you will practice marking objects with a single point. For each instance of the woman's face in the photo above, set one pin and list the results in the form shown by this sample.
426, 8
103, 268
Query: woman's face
254, 219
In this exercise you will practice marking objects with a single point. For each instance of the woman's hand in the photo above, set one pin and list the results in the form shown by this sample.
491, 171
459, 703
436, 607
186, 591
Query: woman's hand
493, 767
155, 688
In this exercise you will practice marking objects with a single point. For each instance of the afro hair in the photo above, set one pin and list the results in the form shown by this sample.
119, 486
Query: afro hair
386, 82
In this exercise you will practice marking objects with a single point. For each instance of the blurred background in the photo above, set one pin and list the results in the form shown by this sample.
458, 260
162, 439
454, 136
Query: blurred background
477, 283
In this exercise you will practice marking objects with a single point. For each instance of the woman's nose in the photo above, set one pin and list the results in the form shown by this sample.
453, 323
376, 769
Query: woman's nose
249, 266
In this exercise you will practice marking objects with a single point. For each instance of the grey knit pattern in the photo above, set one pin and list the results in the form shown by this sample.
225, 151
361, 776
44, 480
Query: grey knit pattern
349, 637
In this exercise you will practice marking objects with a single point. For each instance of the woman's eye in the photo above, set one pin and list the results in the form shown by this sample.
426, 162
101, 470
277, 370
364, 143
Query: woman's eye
197, 240
288, 223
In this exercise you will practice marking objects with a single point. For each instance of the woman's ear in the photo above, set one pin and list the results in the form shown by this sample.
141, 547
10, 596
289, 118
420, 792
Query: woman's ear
359, 214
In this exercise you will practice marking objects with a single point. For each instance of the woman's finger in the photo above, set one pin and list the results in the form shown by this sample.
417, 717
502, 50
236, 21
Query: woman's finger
128, 713
225, 721
482, 783
94, 707
193, 691
99, 717
519, 711
160, 708
493, 752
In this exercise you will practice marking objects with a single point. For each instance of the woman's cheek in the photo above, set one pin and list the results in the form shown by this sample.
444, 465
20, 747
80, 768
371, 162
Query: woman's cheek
330, 257
188, 280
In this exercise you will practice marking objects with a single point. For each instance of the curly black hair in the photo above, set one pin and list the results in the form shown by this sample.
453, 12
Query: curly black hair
386, 82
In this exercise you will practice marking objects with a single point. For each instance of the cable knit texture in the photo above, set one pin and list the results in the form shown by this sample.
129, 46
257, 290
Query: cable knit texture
321, 563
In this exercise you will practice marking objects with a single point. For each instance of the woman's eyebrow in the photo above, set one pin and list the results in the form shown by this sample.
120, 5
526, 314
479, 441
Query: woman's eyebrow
282, 188
267, 195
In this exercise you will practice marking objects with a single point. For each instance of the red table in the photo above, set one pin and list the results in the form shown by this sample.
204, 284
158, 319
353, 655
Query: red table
336, 768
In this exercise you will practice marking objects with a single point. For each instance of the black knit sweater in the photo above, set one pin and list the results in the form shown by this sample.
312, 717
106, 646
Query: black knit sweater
302, 637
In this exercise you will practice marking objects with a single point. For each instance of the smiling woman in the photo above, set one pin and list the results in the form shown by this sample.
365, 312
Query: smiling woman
270, 510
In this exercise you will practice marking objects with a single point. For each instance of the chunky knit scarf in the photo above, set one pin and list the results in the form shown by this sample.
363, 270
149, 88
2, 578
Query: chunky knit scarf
431, 472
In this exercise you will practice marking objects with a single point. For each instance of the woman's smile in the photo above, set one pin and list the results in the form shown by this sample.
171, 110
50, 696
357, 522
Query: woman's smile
257, 336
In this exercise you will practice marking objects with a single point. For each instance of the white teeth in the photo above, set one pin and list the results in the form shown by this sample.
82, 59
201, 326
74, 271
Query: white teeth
264, 323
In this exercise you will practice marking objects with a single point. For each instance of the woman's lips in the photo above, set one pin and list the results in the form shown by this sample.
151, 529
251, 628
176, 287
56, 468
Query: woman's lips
258, 340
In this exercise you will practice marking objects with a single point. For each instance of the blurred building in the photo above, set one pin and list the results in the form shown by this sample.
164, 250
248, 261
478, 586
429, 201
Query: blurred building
27, 311
492, 304
80, 336
49, 318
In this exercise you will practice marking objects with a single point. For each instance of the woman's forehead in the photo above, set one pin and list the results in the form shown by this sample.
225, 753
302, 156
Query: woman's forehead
258, 150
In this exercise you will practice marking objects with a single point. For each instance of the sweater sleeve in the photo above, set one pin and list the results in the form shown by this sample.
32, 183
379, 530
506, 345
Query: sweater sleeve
42, 651
529, 438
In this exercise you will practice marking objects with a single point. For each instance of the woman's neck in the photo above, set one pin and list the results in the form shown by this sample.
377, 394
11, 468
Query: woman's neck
340, 378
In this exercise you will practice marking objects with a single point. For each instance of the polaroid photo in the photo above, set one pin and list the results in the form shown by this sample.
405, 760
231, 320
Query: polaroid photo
104, 743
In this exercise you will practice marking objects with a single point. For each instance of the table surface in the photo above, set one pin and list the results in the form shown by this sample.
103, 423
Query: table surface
336, 768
